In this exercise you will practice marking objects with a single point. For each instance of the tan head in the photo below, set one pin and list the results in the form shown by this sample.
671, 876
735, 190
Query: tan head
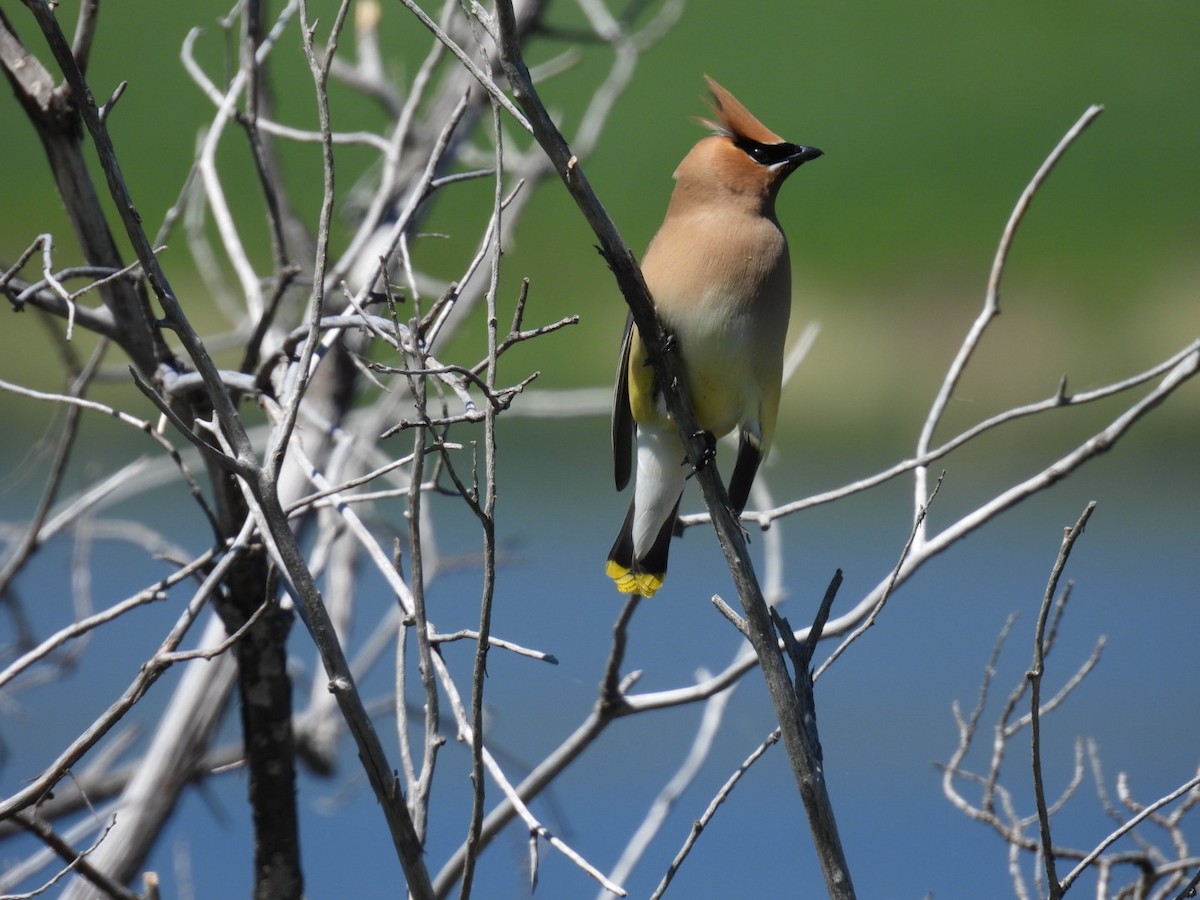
743, 157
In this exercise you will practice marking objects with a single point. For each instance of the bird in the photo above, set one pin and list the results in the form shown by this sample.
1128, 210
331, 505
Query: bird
719, 273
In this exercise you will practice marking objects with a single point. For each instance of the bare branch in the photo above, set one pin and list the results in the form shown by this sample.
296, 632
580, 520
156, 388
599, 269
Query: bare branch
513, 795
77, 861
700, 824
1036, 671
991, 304
1165, 800
702, 743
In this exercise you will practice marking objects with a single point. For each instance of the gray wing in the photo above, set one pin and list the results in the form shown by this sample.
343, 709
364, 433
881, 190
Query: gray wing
622, 415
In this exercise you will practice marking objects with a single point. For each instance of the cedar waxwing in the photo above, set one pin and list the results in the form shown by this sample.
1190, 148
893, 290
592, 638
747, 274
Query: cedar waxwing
719, 275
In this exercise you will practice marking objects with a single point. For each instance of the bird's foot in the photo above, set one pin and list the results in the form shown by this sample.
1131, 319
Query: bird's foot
708, 454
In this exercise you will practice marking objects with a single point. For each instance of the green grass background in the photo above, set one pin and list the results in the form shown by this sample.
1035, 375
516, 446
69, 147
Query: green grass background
933, 116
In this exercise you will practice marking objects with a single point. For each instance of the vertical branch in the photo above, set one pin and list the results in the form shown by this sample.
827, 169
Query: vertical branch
486, 514
262, 486
400, 700
281, 541
320, 72
85, 33
1035, 684
419, 790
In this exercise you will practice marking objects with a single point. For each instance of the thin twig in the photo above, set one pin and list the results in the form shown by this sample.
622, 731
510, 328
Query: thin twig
1188, 786
702, 744
700, 824
76, 860
1035, 684
513, 795
991, 304
869, 621
486, 512
419, 789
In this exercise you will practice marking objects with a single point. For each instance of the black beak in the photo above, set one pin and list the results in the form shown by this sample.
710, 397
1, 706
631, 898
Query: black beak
801, 155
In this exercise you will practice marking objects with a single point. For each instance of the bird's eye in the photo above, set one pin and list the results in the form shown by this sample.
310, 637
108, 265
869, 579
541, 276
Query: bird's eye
764, 154
781, 154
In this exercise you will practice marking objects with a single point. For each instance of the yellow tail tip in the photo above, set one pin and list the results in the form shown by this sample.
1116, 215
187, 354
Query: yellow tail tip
630, 582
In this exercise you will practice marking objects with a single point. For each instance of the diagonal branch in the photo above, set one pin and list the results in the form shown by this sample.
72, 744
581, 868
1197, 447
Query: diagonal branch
991, 305
806, 766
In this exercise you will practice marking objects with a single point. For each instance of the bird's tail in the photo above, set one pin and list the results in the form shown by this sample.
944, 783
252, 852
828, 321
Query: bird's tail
646, 575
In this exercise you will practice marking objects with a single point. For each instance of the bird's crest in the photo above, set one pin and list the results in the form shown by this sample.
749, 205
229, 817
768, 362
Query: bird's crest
734, 119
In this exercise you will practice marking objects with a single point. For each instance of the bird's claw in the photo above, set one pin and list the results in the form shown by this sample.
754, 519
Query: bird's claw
707, 455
